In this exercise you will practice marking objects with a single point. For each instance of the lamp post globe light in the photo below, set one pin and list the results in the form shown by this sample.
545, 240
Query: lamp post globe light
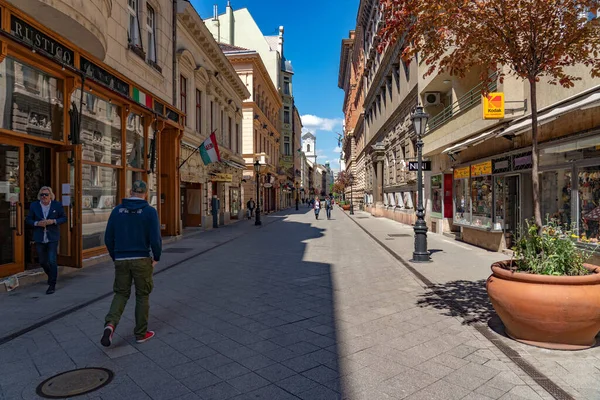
257, 170
351, 181
421, 254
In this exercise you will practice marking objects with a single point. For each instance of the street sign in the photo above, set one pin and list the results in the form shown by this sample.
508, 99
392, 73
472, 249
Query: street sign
414, 165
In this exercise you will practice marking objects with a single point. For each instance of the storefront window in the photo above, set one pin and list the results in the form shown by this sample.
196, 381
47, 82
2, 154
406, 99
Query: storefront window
100, 196
152, 190
235, 202
437, 194
135, 141
589, 204
556, 196
499, 205
100, 129
462, 200
31, 101
481, 201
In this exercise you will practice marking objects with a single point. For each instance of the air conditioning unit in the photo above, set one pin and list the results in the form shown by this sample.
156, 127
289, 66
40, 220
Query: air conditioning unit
432, 99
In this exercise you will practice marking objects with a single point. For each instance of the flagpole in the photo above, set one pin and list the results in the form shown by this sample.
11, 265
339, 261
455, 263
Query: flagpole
193, 152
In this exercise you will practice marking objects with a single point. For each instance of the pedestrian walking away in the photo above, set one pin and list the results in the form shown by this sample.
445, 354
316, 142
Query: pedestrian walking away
45, 215
250, 205
133, 241
317, 207
328, 206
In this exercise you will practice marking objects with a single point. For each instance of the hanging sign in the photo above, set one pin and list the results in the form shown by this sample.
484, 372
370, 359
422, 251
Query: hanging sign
28, 34
414, 165
222, 178
484, 168
461, 173
493, 106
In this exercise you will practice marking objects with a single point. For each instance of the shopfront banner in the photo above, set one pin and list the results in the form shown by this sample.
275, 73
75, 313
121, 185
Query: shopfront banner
461, 173
28, 34
484, 168
222, 177
493, 106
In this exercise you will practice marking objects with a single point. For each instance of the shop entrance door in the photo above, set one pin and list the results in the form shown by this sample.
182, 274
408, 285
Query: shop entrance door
68, 192
12, 218
512, 210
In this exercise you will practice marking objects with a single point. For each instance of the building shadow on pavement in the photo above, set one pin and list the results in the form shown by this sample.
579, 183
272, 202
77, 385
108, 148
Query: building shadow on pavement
465, 299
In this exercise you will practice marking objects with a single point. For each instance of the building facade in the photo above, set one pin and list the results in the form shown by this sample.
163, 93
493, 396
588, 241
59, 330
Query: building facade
260, 127
211, 94
88, 108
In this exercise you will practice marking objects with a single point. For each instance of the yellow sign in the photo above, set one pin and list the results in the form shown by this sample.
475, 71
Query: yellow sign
461, 173
222, 178
493, 106
484, 168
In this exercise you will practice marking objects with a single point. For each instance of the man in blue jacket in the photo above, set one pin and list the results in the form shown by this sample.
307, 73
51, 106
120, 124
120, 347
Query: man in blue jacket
45, 216
133, 231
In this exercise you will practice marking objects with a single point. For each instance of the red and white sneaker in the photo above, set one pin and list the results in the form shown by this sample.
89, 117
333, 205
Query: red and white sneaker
107, 336
149, 335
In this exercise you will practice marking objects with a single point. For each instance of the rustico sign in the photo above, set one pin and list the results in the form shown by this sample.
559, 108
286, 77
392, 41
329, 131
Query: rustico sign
28, 34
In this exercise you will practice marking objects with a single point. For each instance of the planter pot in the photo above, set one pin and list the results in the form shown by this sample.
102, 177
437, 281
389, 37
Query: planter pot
346, 207
554, 312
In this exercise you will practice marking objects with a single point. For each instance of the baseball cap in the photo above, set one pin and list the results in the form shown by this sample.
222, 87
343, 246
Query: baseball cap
139, 187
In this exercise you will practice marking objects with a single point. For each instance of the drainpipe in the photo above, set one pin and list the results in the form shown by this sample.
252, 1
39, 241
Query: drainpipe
174, 102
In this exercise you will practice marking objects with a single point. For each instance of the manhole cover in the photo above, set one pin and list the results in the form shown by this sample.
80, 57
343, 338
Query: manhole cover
74, 383
177, 250
399, 235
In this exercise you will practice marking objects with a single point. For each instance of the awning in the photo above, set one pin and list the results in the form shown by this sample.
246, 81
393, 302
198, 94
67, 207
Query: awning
471, 142
592, 100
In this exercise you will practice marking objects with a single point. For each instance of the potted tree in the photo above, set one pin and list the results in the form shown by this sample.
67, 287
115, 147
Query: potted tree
547, 295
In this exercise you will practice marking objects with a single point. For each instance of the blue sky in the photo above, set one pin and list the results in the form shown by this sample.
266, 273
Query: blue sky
314, 30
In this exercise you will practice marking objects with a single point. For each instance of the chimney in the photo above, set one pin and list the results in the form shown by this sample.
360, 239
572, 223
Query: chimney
280, 42
231, 24
216, 23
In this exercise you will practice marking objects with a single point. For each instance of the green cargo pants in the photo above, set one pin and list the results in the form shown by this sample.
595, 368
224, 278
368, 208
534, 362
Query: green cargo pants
140, 272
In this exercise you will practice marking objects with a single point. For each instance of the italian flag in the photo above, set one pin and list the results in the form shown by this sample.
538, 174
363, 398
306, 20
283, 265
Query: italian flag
142, 97
209, 150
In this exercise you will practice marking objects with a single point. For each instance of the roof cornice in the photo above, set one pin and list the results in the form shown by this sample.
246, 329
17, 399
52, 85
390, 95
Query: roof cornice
257, 63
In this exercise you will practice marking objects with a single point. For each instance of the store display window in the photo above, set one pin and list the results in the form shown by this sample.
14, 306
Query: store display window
589, 204
481, 201
556, 197
462, 196
437, 195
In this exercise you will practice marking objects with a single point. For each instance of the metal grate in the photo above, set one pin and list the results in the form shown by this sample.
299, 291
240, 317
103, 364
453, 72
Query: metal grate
177, 250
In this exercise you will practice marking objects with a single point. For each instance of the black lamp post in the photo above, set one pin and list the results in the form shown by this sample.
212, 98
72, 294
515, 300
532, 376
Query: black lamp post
297, 195
421, 254
351, 179
257, 170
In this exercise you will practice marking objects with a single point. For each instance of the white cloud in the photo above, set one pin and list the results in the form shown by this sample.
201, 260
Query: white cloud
314, 123
337, 149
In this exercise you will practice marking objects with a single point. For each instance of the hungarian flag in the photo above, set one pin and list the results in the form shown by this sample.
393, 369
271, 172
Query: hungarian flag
209, 150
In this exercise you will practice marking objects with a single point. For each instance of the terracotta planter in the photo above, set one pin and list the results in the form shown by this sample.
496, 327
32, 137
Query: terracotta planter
346, 207
555, 312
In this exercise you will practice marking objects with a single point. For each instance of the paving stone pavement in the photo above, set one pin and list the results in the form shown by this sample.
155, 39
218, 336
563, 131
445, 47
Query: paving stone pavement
299, 309
458, 273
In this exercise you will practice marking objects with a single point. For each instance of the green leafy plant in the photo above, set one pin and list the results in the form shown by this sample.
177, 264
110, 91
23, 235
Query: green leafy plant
549, 251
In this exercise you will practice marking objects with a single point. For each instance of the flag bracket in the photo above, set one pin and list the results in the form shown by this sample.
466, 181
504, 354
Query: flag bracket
190, 156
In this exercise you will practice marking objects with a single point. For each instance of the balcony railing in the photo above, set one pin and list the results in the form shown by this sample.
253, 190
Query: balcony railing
466, 102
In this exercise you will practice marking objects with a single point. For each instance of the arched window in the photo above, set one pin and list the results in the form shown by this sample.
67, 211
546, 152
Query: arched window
308, 148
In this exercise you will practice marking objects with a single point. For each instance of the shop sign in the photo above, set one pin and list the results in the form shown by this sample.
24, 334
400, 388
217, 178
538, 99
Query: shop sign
98, 74
222, 177
493, 105
522, 162
484, 168
461, 173
28, 34
268, 185
502, 165
414, 165
286, 161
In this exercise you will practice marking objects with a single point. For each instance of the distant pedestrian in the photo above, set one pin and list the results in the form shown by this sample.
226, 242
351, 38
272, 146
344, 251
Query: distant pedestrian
45, 216
328, 206
317, 207
250, 205
133, 230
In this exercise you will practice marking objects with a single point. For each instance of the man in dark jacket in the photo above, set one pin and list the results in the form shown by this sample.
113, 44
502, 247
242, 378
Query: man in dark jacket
133, 230
45, 216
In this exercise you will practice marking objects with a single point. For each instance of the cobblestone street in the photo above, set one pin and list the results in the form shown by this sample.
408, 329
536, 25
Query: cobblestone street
296, 309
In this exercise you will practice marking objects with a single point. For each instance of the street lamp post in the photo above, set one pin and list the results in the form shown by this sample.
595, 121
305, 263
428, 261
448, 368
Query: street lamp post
297, 195
257, 170
351, 179
421, 254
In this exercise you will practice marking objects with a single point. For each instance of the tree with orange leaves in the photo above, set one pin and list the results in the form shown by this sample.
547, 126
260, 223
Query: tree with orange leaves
535, 39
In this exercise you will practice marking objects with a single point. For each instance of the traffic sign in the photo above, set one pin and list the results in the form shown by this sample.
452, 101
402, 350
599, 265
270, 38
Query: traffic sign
414, 165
